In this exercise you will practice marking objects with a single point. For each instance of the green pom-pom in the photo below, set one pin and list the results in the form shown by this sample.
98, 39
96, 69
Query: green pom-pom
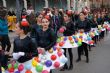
39, 68
9, 66
16, 65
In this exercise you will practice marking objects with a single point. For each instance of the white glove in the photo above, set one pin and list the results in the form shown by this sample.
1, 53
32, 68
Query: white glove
21, 54
15, 56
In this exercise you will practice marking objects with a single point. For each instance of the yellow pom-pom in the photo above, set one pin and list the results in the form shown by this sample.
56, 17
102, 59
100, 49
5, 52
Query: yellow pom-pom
34, 63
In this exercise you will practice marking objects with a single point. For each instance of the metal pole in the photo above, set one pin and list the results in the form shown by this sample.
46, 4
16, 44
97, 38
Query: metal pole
18, 12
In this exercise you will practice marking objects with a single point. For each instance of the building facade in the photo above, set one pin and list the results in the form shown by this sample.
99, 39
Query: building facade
39, 4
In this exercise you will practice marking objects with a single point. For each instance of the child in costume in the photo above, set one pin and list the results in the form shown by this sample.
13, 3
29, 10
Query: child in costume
83, 26
69, 30
24, 48
46, 39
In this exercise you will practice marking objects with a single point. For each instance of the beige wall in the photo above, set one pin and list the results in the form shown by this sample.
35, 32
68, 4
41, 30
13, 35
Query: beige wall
99, 3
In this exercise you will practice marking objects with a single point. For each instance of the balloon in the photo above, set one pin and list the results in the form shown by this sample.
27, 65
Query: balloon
71, 41
61, 30
79, 43
91, 42
61, 44
39, 68
65, 38
54, 48
28, 71
70, 38
81, 34
2, 69
48, 63
34, 63
24, 23
20, 67
28, 66
108, 29
11, 69
76, 41
62, 38
45, 71
56, 64
36, 59
59, 53
9, 65
16, 65
89, 38
53, 57
79, 40
58, 49
51, 50
17, 71
58, 40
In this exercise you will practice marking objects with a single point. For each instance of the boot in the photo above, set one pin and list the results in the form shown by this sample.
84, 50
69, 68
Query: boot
70, 67
87, 60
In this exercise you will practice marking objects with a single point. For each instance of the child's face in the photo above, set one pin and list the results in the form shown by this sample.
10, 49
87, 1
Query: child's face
45, 23
66, 18
18, 30
39, 19
82, 16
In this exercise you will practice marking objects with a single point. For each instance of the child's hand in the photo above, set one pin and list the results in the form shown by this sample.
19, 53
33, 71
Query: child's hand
15, 56
7, 53
41, 50
21, 53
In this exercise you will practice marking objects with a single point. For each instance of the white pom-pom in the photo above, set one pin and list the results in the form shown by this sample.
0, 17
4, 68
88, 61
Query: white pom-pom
23, 19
